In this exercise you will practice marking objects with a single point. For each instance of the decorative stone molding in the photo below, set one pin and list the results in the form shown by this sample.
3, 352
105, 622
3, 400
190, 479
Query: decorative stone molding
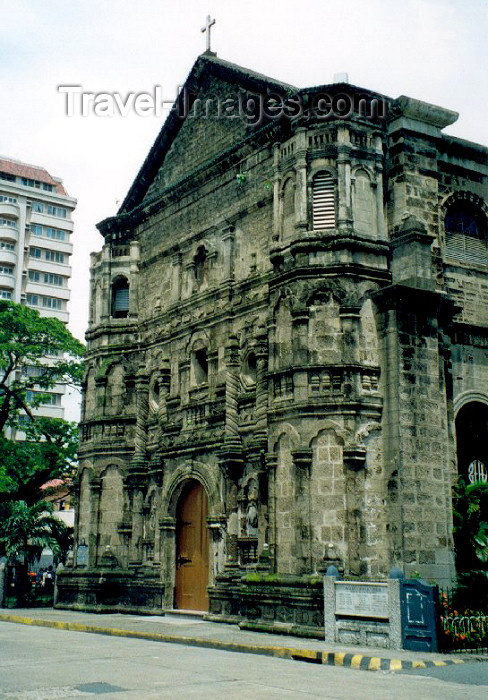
302, 458
354, 457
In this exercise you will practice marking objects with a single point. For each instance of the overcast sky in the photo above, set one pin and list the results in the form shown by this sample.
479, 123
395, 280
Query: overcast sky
433, 50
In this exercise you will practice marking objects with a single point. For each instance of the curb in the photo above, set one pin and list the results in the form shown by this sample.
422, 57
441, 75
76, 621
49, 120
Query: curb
327, 658
368, 663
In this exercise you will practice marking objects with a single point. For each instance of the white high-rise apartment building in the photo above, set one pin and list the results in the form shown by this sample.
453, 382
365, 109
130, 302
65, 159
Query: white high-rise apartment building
35, 247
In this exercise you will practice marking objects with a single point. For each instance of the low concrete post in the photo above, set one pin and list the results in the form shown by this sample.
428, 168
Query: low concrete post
331, 576
395, 613
394, 604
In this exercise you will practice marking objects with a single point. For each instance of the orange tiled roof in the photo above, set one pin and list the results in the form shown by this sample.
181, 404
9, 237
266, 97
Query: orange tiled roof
33, 172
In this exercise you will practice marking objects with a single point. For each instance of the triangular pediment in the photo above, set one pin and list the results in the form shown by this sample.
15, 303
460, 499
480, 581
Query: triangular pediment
210, 115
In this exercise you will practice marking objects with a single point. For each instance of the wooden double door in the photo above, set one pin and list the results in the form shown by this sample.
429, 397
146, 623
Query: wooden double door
192, 548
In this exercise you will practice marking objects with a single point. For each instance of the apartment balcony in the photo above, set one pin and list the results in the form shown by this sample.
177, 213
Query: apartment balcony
7, 281
49, 411
49, 266
8, 256
53, 313
9, 209
51, 244
9, 233
47, 290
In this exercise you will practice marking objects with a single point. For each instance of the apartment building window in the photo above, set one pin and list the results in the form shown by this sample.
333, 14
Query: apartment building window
5, 245
10, 200
7, 222
56, 280
50, 255
5, 294
7, 176
52, 400
34, 276
56, 233
61, 212
6, 270
38, 207
46, 302
48, 399
29, 182
36, 229
55, 256
52, 303
47, 278
32, 371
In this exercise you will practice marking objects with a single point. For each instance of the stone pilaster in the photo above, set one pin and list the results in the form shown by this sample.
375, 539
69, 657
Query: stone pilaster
176, 277
135, 550
301, 189
271, 461
344, 214
276, 193
94, 524
134, 279
302, 461
261, 349
228, 239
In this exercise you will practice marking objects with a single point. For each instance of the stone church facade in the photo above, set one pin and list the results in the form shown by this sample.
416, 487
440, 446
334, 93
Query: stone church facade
288, 329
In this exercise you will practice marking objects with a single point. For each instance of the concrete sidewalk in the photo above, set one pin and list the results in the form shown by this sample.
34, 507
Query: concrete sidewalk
192, 630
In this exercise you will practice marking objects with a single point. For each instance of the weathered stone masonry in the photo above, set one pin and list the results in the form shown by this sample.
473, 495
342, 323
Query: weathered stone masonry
288, 317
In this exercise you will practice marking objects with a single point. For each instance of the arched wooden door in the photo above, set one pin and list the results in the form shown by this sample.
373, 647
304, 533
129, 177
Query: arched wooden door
192, 549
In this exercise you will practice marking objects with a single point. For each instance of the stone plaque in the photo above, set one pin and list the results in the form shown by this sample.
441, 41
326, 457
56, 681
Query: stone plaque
361, 599
82, 555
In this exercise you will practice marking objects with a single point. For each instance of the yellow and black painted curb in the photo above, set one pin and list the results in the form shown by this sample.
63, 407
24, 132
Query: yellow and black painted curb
368, 663
328, 658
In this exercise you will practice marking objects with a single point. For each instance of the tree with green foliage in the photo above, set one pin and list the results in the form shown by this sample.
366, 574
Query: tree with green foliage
48, 452
36, 353
470, 513
25, 531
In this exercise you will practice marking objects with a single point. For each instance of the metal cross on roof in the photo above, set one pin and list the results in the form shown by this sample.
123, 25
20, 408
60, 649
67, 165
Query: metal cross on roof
209, 23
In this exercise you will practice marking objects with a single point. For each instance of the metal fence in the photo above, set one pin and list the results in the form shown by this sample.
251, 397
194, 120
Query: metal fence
461, 628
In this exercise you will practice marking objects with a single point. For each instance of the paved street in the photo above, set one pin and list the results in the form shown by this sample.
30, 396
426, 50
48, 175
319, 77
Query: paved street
40, 664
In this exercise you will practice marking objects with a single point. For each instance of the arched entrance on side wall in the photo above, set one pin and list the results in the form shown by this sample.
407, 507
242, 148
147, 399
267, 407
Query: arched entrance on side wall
472, 441
192, 548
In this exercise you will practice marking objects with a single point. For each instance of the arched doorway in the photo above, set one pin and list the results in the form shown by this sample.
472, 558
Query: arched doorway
472, 441
191, 578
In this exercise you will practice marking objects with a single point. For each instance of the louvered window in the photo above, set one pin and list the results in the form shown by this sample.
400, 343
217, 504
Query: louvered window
323, 194
120, 299
466, 249
466, 240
